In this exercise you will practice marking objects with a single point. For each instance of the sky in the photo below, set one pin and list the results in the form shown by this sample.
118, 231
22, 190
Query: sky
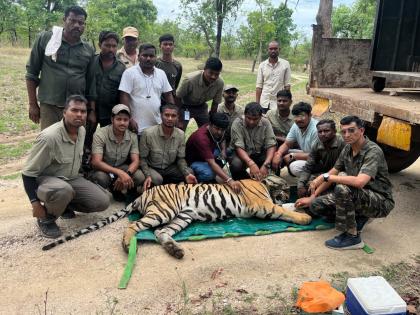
304, 14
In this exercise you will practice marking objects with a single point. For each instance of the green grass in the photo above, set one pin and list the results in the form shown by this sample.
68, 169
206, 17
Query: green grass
11, 176
16, 150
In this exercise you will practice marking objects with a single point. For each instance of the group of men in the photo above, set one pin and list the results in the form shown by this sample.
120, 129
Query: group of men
142, 113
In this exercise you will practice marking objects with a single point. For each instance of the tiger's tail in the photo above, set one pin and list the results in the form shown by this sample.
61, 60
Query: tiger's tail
91, 228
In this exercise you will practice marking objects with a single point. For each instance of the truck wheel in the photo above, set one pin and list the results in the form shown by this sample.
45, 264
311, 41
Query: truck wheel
397, 159
378, 84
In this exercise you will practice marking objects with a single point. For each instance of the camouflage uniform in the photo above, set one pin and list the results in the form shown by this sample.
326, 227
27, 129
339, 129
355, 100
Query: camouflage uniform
374, 200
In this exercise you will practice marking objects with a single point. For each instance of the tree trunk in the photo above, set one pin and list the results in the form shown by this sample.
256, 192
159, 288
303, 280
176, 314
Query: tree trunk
323, 17
219, 27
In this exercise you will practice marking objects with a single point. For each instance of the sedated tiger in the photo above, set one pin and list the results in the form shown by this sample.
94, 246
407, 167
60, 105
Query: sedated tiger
175, 206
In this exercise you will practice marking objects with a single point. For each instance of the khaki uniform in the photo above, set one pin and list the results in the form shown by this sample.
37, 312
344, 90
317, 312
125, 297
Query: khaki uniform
254, 141
115, 154
237, 112
55, 161
194, 94
125, 59
346, 203
163, 159
281, 125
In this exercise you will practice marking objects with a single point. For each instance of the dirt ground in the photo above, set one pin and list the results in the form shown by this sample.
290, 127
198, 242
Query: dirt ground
255, 274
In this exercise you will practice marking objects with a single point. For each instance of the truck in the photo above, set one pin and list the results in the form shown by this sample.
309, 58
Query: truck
375, 79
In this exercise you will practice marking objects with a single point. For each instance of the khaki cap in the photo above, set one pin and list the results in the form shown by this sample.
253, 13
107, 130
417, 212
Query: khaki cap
119, 108
130, 31
230, 87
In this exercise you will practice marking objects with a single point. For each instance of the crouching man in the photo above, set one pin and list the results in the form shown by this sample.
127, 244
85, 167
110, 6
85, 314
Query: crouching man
363, 191
51, 174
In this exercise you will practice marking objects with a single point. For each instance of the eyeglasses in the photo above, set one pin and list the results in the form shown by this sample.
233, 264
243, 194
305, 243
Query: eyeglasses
349, 130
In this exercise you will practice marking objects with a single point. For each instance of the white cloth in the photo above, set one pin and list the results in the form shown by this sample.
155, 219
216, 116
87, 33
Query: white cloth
271, 79
54, 43
145, 92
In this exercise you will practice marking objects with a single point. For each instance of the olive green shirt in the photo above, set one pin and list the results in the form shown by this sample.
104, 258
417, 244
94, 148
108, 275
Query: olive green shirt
158, 152
281, 125
114, 153
61, 78
104, 86
55, 154
173, 71
237, 112
321, 159
370, 161
255, 140
194, 91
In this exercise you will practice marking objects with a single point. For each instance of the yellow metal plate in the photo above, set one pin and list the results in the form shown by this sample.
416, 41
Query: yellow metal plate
395, 133
320, 106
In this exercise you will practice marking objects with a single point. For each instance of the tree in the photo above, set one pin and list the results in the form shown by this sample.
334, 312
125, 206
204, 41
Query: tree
323, 17
208, 17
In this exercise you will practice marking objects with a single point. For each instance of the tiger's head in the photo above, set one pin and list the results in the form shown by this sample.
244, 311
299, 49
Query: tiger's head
279, 189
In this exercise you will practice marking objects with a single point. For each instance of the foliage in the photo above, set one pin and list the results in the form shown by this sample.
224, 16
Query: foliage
356, 21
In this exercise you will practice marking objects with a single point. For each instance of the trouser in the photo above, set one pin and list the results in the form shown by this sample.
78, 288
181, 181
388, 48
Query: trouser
50, 114
202, 170
200, 113
78, 193
104, 179
238, 167
346, 203
169, 175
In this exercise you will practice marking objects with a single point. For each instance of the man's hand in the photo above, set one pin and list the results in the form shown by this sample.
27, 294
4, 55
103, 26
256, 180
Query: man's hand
236, 187
34, 112
38, 210
276, 162
302, 192
92, 118
254, 172
304, 202
147, 183
315, 184
133, 126
264, 171
190, 179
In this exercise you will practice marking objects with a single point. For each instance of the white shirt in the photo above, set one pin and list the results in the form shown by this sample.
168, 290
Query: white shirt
145, 92
271, 79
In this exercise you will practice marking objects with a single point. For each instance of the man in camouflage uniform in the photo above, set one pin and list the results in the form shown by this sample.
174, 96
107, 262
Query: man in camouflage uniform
363, 191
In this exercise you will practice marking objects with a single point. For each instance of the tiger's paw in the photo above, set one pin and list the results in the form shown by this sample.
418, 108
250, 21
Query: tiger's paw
128, 234
173, 249
302, 218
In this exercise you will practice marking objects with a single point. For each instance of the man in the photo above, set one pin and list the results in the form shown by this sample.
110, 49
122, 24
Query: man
51, 174
304, 134
254, 143
206, 152
167, 63
281, 118
128, 54
113, 147
141, 89
198, 88
58, 66
162, 151
228, 107
273, 75
323, 155
363, 191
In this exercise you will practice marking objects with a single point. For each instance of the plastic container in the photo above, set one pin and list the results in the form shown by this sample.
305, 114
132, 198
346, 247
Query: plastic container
373, 296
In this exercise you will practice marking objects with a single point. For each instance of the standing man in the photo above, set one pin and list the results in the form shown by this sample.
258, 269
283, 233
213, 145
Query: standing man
362, 187
323, 155
162, 151
281, 118
51, 174
198, 88
58, 67
141, 89
304, 134
254, 143
129, 53
167, 63
274, 74
230, 108
115, 155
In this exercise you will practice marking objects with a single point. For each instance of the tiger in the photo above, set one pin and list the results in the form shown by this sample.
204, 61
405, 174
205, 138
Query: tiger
173, 207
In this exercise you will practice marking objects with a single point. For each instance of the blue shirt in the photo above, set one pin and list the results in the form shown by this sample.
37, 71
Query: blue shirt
306, 139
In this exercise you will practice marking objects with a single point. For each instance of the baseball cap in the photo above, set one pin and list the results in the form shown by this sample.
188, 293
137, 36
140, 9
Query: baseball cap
230, 87
130, 31
119, 108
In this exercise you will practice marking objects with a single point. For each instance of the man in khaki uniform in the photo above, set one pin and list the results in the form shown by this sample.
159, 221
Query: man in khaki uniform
128, 54
198, 88
162, 151
113, 147
51, 174
253, 140
230, 108
281, 118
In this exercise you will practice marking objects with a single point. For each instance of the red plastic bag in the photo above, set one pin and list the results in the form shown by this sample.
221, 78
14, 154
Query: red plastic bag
319, 297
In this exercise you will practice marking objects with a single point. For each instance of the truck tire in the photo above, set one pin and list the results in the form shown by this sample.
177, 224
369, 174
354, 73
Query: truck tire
397, 159
378, 84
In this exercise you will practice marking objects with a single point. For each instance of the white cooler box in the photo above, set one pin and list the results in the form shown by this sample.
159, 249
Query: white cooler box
373, 296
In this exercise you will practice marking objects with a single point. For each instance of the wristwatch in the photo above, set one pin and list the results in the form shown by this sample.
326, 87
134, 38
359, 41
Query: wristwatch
326, 177
267, 166
292, 157
129, 173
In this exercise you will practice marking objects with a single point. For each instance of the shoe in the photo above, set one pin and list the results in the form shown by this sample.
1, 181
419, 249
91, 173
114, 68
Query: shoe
68, 214
48, 227
361, 221
345, 241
